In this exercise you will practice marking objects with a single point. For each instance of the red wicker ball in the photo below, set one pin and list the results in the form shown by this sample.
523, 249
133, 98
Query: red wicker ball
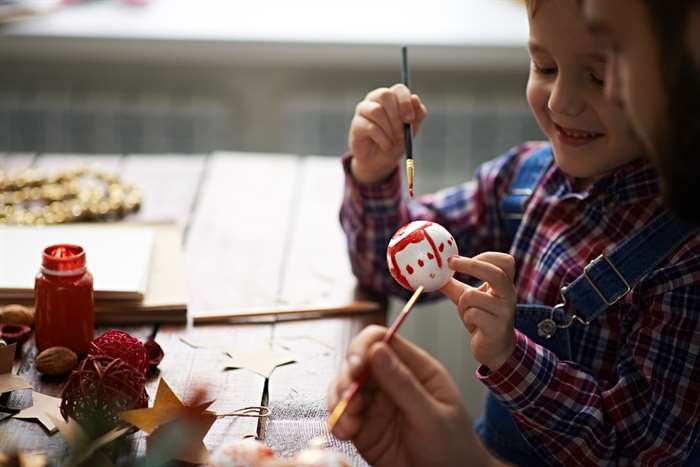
119, 344
103, 386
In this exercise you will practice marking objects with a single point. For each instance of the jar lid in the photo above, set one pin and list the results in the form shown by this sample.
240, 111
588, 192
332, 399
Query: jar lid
63, 258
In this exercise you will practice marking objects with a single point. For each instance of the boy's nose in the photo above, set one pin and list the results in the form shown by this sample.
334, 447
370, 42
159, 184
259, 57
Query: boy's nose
565, 98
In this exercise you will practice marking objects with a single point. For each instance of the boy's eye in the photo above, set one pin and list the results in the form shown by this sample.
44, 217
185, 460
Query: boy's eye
596, 80
545, 70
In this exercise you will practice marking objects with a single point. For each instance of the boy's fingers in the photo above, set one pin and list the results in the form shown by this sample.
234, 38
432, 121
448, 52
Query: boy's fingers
421, 113
391, 105
501, 260
376, 114
499, 281
373, 132
453, 290
403, 95
475, 298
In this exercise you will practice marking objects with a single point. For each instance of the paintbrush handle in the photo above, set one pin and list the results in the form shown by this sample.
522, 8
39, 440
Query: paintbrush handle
339, 409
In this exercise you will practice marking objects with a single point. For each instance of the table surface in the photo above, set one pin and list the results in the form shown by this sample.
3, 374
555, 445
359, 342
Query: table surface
259, 230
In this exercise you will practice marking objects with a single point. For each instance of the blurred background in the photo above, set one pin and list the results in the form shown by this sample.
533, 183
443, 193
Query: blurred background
192, 77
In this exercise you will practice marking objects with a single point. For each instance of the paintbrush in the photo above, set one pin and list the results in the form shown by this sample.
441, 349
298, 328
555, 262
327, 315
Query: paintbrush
407, 130
355, 387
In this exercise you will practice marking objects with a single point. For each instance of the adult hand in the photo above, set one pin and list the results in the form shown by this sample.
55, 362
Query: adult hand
409, 411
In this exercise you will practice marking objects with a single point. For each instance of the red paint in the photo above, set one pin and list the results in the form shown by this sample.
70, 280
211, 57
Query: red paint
414, 237
442, 247
63, 298
431, 256
409, 269
432, 244
449, 242
421, 263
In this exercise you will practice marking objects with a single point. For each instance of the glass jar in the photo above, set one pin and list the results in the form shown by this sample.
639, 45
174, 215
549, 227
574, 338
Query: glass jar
63, 300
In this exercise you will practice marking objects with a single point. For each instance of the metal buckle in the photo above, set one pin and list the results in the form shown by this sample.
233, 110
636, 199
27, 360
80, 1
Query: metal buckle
595, 287
548, 326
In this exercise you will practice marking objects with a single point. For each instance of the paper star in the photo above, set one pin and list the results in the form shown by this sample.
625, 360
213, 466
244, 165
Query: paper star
167, 411
43, 408
82, 447
8, 381
262, 361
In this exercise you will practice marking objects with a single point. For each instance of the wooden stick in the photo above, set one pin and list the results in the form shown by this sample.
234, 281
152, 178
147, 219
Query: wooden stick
359, 306
355, 387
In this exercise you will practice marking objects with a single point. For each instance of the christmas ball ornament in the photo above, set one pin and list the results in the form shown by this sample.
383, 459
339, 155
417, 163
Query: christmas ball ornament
417, 255
119, 344
315, 457
102, 387
247, 452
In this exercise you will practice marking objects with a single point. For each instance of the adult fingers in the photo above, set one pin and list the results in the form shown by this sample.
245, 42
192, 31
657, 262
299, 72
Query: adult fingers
402, 386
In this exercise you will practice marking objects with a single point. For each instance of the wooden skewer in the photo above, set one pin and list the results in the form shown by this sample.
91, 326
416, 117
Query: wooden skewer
355, 387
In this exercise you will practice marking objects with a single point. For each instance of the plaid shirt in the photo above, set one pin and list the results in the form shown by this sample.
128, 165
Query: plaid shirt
631, 395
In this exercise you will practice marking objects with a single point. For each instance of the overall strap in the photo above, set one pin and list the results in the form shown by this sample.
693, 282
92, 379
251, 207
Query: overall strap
521, 188
608, 278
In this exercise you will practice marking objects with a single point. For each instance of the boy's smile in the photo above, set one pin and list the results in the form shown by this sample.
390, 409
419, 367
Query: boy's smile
576, 137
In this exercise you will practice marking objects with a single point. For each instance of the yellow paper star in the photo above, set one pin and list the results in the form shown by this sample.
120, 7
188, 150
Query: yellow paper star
168, 409
43, 408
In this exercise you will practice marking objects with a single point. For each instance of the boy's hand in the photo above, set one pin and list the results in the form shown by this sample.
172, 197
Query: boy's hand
488, 311
376, 138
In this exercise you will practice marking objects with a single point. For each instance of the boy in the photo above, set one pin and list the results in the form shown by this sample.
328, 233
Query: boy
600, 366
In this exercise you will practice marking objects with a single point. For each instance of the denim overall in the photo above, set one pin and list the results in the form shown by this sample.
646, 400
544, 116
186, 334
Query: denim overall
605, 281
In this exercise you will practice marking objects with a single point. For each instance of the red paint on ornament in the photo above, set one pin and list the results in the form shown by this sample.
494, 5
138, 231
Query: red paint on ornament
416, 236
409, 269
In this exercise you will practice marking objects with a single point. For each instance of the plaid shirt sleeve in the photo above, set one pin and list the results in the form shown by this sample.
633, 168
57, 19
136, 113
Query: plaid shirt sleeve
370, 214
649, 414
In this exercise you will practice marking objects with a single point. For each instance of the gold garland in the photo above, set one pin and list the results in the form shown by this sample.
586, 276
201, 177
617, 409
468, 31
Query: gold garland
69, 196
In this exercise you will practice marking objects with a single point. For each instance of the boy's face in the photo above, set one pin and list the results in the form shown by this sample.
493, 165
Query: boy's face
659, 88
589, 133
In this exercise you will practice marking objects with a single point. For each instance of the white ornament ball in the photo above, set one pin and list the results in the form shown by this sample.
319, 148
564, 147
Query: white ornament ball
247, 452
417, 255
321, 458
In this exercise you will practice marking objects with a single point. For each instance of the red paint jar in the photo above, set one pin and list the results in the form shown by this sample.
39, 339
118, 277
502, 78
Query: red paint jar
63, 300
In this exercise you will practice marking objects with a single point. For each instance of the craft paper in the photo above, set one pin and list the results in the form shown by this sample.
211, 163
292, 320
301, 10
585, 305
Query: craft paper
262, 361
8, 381
43, 409
82, 447
417, 255
168, 409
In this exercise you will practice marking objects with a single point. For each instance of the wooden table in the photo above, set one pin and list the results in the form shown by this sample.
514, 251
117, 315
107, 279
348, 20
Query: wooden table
261, 230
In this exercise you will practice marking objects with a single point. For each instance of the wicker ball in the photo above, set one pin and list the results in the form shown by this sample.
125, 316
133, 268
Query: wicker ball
119, 344
102, 387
